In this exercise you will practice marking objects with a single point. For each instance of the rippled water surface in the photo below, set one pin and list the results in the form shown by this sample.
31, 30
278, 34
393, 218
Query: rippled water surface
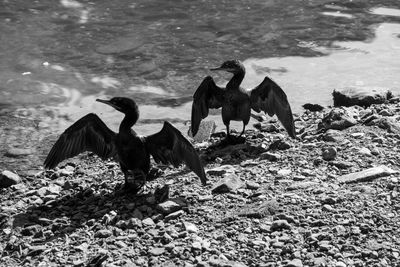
57, 57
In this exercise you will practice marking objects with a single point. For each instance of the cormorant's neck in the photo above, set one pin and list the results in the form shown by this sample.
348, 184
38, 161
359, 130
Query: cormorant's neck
236, 80
129, 120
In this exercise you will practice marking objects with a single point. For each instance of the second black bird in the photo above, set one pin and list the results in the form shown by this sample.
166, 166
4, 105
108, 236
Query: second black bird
237, 102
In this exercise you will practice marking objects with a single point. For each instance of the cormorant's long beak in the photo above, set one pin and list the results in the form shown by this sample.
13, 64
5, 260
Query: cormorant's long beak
108, 103
219, 68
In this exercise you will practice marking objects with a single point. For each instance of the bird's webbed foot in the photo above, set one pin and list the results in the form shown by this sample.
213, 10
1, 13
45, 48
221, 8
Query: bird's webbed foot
161, 194
154, 173
134, 181
234, 140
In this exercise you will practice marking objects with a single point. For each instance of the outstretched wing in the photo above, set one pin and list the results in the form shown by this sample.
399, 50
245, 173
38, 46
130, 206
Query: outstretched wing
89, 133
270, 98
207, 96
169, 146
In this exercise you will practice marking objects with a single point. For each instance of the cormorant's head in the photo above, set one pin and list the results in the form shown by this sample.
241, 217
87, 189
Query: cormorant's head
233, 66
122, 104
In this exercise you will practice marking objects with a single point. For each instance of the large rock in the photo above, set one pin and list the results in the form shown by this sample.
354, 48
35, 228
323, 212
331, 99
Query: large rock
361, 96
387, 124
8, 178
337, 119
366, 175
169, 206
206, 129
230, 183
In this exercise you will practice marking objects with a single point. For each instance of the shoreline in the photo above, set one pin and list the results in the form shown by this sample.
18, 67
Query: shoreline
272, 201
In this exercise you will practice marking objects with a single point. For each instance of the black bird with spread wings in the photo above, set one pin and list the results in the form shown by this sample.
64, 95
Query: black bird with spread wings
90, 133
237, 102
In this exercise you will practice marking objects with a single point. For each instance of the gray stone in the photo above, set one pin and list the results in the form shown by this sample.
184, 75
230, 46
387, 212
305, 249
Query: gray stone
364, 151
137, 214
366, 175
174, 215
168, 206
156, 251
340, 264
206, 129
133, 223
279, 225
341, 164
284, 172
360, 96
302, 185
320, 262
230, 183
270, 156
387, 124
337, 119
329, 153
256, 210
219, 171
148, 222
295, 263
252, 185
279, 145
36, 250
18, 152
190, 227
333, 136
104, 233
8, 178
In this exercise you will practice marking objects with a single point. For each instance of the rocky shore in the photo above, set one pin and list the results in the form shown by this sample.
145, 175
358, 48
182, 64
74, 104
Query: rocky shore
330, 198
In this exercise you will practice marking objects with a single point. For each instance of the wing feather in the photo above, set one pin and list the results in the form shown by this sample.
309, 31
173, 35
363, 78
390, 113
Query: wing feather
208, 95
270, 98
169, 146
89, 133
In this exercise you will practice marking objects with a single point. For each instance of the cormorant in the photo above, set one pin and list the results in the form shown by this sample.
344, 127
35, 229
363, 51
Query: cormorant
132, 151
237, 102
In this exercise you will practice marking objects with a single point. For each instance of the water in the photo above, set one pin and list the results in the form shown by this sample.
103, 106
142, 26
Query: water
57, 57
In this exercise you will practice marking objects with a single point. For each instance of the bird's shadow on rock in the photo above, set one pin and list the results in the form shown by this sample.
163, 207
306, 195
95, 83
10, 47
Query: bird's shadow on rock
83, 209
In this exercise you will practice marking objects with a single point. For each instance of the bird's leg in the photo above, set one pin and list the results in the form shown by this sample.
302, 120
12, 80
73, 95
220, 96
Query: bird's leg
244, 126
134, 180
228, 136
154, 173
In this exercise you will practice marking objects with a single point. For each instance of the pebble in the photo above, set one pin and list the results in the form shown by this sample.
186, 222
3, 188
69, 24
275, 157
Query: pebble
36, 250
156, 251
280, 225
196, 245
134, 223
364, 151
329, 153
104, 233
340, 264
295, 263
302, 185
190, 227
229, 183
18, 152
252, 185
284, 172
270, 156
148, 222
219, 171
174, 215
358, 135
366, 175
168, 207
